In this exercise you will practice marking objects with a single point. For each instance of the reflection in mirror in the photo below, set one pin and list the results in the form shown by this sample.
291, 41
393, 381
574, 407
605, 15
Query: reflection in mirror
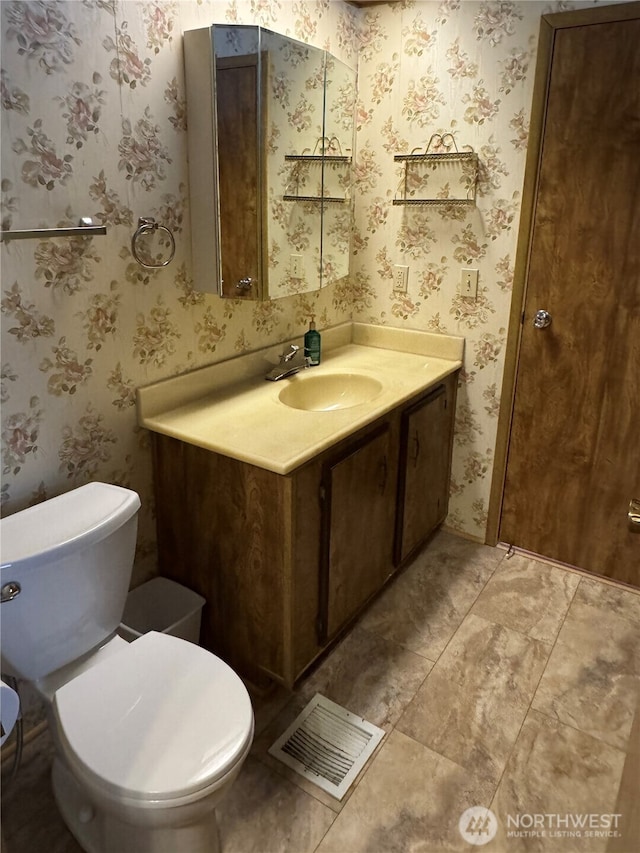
238, 88
294, 75
270, 144
340, 99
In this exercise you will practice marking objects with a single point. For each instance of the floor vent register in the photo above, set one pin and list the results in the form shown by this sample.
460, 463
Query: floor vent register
327, 745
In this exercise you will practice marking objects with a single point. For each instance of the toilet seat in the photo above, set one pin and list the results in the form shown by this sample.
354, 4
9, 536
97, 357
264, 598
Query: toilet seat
162, 720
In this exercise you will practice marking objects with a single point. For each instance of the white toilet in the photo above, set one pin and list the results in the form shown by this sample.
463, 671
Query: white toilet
150, 734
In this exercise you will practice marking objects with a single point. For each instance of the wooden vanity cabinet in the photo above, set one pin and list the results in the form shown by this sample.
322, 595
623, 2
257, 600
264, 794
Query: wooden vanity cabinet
287, 562
426, 440
358, 493
225, 529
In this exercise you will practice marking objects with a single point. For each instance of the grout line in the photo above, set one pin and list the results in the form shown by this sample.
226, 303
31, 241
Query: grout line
467, 613
373, 633
575, 728
551, 647
554, 716
530, 707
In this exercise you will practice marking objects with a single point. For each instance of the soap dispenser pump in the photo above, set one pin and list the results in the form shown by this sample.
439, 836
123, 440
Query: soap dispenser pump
312, 345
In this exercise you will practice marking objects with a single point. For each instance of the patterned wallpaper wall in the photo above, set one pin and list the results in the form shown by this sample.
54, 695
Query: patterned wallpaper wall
297, 116
94, 123
465, 68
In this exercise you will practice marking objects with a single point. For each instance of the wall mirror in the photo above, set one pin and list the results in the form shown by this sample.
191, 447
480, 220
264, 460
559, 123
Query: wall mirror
270, 137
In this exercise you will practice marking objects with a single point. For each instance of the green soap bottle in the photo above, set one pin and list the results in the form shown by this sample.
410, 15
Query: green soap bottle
312, 344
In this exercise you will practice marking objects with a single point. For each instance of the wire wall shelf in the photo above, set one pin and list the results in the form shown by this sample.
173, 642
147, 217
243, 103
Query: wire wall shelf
326, 150
431, 159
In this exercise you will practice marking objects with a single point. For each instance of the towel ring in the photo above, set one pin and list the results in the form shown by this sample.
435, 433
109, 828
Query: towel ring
146, 224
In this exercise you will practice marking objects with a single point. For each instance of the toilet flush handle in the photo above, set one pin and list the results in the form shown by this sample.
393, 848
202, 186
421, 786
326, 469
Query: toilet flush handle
9, 591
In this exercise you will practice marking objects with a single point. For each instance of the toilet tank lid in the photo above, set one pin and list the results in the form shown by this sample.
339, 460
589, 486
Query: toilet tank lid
60, 525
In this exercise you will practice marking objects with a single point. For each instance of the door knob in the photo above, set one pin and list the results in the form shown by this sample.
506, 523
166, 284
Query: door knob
542, 319
634, 515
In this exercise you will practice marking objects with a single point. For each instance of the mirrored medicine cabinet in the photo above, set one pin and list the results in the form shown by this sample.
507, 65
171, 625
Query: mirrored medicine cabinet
270, 141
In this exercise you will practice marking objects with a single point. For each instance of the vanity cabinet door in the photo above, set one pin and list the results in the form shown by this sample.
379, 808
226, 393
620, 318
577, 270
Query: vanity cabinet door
425, 462
358, 491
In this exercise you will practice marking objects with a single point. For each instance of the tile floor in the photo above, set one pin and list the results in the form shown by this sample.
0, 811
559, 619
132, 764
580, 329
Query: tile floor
500, 682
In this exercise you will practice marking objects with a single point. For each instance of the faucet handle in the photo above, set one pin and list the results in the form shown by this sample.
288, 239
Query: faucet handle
289, 354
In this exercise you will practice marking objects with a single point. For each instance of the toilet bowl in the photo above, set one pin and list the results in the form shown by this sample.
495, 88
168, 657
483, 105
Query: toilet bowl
153, 737
148, 735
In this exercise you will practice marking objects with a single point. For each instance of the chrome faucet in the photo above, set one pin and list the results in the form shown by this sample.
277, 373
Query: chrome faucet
291, 361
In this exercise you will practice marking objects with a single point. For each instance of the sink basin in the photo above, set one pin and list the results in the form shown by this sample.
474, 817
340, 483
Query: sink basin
329, 391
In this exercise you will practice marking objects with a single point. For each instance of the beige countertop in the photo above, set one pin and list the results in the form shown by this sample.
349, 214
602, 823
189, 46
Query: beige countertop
230, 408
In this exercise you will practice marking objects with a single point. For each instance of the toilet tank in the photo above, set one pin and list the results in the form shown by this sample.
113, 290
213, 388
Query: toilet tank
69, 559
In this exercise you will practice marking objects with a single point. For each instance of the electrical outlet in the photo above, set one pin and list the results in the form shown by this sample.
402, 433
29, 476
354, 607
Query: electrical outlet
468, 286
400, 278
296, 266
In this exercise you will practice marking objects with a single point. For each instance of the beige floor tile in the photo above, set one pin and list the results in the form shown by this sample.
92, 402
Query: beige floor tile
268, 704
264, 813
471, 706
628, 801
410, 799
557, 771
31, 821
425, 605
370, 676
592, 680
367, 675
528, 596
613, 599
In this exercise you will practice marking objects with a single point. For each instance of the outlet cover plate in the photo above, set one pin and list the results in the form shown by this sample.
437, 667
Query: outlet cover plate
400, 278
296, 266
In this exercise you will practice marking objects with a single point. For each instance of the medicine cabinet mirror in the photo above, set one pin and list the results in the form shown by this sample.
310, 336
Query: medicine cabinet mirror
270, 137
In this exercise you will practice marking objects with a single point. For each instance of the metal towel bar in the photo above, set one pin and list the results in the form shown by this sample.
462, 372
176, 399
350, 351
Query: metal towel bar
85, 228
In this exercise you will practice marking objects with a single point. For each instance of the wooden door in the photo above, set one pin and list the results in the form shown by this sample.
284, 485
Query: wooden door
424, 470
239, 177
574, 453
358, 516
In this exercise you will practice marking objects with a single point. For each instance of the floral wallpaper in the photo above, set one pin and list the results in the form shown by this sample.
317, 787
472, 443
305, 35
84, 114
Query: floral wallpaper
464, 68
94, 124
303, 120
